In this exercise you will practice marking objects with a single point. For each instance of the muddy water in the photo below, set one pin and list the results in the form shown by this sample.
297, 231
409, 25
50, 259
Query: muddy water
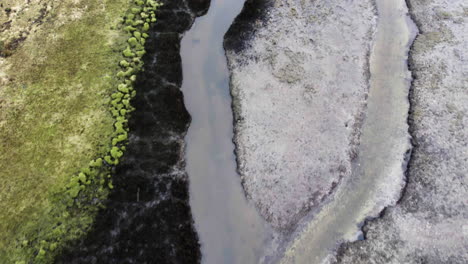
229, 228
378, 175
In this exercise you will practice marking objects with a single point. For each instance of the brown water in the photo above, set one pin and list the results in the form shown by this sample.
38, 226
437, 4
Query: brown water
229, 227
379, 173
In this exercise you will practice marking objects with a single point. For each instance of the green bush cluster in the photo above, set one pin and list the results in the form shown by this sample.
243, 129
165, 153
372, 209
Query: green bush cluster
88, 188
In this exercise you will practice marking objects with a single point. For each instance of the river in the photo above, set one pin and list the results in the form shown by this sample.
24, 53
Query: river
229, 228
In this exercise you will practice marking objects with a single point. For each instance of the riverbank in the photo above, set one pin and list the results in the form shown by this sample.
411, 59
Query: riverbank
428, 225
299, 81
147, 217
297, 112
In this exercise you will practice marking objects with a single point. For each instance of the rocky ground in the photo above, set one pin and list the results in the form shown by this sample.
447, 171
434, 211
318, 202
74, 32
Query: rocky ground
429, 224
299, 79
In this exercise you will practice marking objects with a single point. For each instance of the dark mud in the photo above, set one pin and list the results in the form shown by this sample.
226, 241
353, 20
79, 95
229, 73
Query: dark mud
243, 28
147, 217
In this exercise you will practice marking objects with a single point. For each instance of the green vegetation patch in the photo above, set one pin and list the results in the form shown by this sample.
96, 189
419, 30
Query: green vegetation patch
64, 102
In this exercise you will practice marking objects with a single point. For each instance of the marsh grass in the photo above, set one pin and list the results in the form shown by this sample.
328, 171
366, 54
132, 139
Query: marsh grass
56, 117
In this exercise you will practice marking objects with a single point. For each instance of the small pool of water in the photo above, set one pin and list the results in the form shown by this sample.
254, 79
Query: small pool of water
229, 227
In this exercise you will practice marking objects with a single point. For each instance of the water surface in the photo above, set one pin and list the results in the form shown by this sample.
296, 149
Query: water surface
230, 229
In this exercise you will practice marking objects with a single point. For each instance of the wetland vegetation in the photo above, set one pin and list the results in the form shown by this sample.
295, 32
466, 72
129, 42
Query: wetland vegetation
65, 97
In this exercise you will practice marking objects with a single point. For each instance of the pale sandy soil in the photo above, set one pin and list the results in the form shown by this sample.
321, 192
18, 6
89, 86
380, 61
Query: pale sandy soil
300, 85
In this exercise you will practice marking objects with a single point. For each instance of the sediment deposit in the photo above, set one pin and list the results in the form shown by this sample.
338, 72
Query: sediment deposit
299, 79
300, 98
429, 224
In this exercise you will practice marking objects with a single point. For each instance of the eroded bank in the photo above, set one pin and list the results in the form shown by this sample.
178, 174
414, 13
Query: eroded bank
147, 218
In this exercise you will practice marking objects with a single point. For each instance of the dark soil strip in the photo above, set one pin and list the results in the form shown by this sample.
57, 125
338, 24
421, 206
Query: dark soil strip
147, 217
240, 32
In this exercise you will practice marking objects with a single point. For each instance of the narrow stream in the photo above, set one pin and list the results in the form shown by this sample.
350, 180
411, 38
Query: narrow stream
378, 175
229, 227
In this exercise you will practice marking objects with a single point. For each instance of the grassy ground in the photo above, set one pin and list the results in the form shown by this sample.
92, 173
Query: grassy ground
58, 62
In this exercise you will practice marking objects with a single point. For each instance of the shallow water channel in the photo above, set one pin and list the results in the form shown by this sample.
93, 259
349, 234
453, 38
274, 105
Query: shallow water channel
378, 175
229, 227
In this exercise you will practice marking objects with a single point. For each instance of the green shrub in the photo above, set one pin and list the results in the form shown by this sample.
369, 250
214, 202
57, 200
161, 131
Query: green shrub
133, 42
124, 63
139, 47
82, 177
137, 35
146, 27
41, 255
138, 22
128, 53
129, 28
122, 88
